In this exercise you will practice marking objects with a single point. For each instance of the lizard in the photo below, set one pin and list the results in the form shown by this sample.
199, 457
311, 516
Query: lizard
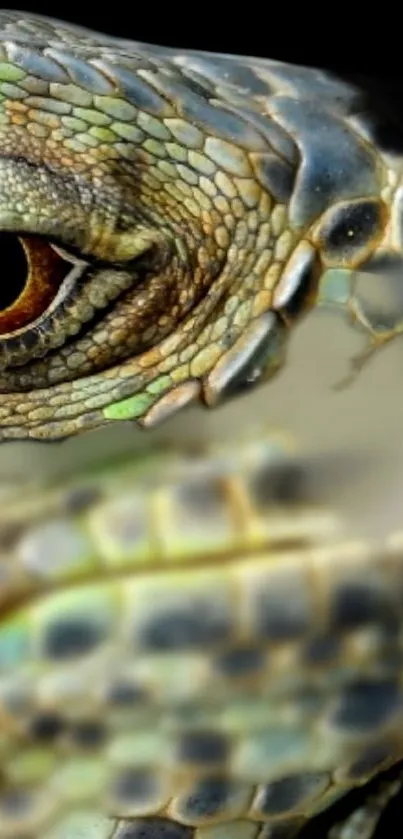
191, 645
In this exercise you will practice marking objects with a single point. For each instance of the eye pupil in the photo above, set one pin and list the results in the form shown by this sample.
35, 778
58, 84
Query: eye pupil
32, 272
15, 269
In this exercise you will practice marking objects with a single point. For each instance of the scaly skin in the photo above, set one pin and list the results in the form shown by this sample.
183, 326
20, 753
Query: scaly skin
193, 641
191, 647
197, 203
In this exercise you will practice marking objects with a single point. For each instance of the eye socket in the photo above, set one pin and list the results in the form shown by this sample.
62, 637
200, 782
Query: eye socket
32, 274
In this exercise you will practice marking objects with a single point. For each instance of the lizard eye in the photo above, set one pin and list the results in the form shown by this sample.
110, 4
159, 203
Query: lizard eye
34, 271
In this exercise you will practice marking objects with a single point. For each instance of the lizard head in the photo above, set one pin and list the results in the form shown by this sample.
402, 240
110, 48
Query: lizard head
157, 244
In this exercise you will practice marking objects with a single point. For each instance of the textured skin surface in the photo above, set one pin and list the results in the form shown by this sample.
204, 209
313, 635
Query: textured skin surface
191, 640
197, 201
190, 647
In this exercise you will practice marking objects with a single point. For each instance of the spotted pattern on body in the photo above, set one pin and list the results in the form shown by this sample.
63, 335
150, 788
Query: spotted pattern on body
184, 652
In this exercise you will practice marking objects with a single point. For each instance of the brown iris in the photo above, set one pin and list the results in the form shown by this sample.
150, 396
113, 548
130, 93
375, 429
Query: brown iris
31, 274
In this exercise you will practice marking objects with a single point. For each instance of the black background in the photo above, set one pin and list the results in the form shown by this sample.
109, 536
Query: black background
355, 39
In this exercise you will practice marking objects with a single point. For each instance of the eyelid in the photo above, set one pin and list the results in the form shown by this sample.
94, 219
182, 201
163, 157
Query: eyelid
121, 250
68, 256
